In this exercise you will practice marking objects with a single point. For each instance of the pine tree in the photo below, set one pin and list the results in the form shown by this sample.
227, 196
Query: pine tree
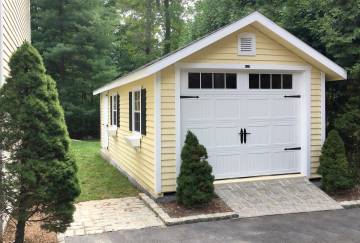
40, 175
76, 40
195, 186
334, 167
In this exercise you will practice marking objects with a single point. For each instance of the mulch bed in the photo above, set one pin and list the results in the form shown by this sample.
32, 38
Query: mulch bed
33, 233
175, 210
347, 195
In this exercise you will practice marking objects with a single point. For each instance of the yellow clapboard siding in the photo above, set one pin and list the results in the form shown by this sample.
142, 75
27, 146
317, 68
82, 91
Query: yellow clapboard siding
139, 164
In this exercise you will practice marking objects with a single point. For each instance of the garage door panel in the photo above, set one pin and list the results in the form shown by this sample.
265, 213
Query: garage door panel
259, 162
283, 134
284, 161
197, 111
227, 136
260, 135
222, 163
257, 108
283, 107
231, 111
204, 135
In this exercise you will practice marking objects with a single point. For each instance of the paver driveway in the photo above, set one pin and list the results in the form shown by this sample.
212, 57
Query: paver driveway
315, 227
275, 196
101, 216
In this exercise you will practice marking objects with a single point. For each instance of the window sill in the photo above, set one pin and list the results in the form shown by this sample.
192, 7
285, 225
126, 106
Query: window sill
134, 140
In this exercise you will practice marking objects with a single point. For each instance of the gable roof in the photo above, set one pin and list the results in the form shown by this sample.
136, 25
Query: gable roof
298, 46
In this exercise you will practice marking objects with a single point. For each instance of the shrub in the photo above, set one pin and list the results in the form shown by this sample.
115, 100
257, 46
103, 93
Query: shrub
334, 167
40, 175
195, 186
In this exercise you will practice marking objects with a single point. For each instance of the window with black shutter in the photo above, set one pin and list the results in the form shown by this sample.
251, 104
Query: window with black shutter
137, 111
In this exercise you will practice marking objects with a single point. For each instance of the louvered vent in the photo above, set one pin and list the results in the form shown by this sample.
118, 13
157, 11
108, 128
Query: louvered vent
247, 44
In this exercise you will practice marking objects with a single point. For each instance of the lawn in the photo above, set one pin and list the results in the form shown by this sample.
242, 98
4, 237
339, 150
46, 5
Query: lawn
98, 179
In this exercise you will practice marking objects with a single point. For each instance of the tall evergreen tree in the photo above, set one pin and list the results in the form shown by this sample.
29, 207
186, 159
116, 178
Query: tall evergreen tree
40, 174
75, 38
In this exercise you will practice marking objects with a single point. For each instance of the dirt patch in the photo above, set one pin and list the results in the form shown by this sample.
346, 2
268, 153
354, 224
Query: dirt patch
33, 233
175, 210
347, 195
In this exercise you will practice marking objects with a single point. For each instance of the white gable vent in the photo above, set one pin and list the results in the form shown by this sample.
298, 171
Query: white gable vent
247, 44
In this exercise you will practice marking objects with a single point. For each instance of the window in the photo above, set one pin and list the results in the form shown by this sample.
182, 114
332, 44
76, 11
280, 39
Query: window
137, 111
287, 81
194, 80
270, 81
265, 81
231, 80
206, 81
212, 81
254, 81
114, 110
276, 81
219, 80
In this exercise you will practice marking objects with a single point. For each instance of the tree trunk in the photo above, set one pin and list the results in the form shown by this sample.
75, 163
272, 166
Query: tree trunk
167, 37
148, 29
20, 231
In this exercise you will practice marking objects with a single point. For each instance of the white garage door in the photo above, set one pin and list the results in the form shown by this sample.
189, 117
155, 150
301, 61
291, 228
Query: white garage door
221, 116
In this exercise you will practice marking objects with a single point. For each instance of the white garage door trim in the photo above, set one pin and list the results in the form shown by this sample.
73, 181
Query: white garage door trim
301, 72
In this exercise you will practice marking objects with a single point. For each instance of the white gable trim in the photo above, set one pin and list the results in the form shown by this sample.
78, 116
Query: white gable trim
217, 35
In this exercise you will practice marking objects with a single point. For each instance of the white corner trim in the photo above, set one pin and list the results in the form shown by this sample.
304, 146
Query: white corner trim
217, 35
305, 109
177, 120
323, 107
157, 122
307, 125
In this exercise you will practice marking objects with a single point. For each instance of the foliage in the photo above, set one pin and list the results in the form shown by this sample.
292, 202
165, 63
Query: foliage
97, 178
40, 174
75, 38
334, 167
195, 182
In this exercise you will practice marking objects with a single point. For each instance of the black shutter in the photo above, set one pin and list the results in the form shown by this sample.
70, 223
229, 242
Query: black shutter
111, 110
118, 110
143, 111
130, 111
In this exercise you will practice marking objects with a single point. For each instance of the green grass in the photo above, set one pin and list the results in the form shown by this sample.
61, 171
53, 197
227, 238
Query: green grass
98, 179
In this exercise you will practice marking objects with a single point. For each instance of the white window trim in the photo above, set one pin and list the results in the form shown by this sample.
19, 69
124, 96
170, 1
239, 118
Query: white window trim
112, 124
114, 111
252, 36
137, 89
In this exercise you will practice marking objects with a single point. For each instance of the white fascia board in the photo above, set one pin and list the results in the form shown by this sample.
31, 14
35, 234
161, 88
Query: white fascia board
218, 35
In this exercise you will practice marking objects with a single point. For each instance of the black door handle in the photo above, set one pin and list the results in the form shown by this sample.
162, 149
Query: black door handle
245, 134
241, 133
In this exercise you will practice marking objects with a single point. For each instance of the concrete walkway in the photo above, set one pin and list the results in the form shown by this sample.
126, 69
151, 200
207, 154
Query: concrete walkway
326, 226
275, 196
94, 217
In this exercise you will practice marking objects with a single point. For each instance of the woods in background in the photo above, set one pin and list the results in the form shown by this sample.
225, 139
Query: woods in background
86, 43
